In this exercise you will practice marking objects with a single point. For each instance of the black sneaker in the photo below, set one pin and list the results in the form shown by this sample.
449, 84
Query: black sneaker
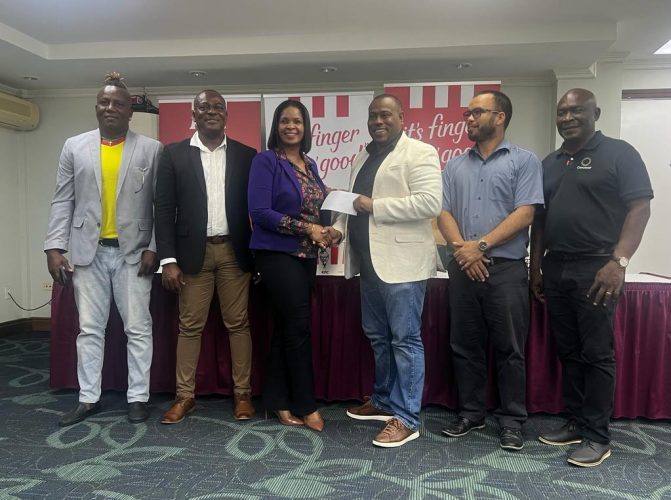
511, 439
569, 433
462, 426
589, 454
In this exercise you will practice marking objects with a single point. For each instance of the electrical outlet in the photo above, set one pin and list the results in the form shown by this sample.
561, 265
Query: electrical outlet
47, 286
7, 292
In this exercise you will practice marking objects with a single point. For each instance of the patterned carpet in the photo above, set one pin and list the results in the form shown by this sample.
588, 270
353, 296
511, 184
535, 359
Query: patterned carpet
210, 455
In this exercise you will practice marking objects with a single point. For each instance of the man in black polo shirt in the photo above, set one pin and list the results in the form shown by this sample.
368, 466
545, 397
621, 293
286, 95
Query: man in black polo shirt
597, 204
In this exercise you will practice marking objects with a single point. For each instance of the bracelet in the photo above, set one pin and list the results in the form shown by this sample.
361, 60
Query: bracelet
312, 228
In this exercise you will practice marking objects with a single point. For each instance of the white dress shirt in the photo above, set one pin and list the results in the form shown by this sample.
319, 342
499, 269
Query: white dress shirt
214, 168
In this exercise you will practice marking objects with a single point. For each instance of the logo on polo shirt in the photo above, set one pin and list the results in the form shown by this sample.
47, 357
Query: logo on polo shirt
585, 164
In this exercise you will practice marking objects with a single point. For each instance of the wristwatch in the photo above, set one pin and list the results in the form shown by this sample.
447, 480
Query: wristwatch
483, 246
623, 262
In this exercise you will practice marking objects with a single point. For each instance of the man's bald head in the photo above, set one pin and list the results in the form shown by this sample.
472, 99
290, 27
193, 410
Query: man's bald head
577, 114
582, 95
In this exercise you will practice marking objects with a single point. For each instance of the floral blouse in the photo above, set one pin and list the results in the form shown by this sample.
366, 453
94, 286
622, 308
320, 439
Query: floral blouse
313, 198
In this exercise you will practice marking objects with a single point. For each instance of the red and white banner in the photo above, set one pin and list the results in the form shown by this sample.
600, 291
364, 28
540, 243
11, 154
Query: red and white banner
434, 113
243, 123
339, 132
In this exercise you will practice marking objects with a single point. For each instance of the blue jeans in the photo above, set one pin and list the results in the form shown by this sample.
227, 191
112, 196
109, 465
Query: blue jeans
110, 275
391, 316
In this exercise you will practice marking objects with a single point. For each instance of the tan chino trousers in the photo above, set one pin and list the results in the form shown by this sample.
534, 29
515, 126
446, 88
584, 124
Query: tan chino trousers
220, 270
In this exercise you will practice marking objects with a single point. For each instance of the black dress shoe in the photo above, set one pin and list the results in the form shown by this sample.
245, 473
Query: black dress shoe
80, 413
137, 412
511, 439
589, 454
569, 433
462, 426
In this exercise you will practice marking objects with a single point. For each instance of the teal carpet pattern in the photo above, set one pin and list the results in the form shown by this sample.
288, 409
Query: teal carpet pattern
210, 455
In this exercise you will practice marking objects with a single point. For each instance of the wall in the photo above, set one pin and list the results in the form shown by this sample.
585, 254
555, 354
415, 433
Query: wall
61, 117
532, 125
646, 125
644, 77
12, 218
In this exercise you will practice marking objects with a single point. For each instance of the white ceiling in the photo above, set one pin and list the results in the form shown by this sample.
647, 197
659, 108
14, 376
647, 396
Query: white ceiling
71, 44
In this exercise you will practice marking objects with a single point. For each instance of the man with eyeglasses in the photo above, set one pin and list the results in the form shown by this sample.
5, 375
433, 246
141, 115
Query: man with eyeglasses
202, 236
597, 204
102, 212
490, 195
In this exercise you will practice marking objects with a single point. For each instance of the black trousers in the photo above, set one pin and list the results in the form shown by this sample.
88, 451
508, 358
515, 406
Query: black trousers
585, 343
289, 378
496, 312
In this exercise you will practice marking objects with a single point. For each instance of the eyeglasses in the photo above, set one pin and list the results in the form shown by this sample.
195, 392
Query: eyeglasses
476, 112
206, 108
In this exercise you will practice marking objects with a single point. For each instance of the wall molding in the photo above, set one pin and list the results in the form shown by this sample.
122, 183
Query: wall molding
576, 73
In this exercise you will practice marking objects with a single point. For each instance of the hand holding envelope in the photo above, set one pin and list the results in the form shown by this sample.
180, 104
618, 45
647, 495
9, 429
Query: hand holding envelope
340, 201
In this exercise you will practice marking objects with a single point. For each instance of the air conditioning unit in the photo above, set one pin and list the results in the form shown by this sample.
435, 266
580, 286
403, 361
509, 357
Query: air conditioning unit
17, 113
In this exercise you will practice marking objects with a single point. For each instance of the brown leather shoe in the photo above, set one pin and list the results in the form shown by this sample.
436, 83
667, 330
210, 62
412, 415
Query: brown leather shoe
286, 418
368, 411
244, 409
314, 421
179, 409
394, 434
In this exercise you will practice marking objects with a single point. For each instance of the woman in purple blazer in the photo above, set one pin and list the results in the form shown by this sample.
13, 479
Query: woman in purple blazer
285, 195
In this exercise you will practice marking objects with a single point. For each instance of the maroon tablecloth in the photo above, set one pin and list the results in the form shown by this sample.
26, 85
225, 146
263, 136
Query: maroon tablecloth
343, 359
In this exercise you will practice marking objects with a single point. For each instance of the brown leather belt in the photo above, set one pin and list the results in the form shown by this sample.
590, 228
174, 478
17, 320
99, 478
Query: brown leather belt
219, 239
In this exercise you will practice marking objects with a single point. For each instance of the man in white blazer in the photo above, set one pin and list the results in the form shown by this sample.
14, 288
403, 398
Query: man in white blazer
390, 243
102, 212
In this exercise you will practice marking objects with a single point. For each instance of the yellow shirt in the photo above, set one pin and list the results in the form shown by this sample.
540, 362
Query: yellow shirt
110, 164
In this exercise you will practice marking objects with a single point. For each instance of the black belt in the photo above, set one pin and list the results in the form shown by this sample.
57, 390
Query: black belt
108, 242
569, 257
219, 239
500, 260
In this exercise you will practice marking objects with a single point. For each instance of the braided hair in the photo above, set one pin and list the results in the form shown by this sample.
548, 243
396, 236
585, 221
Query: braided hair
114, 79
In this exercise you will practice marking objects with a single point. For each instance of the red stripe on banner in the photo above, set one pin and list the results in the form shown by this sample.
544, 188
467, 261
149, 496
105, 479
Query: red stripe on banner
429, 97
334, 255
342, 106
294, 98
318, 106
403, 93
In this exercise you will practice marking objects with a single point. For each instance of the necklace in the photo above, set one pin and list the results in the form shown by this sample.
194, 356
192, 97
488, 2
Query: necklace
112, 142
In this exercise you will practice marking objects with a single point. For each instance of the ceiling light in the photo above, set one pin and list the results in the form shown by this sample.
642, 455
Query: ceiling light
31, 78
463, 65
664, 49
196, 73
328, 69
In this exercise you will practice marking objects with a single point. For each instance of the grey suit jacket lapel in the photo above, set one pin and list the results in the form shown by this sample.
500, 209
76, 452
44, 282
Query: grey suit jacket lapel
94, 151
126, 159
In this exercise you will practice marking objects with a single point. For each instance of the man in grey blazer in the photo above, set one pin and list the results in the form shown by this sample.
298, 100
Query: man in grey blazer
102, 212
390, 242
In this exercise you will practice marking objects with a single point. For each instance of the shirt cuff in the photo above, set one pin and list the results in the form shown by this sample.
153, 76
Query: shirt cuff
169, 260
